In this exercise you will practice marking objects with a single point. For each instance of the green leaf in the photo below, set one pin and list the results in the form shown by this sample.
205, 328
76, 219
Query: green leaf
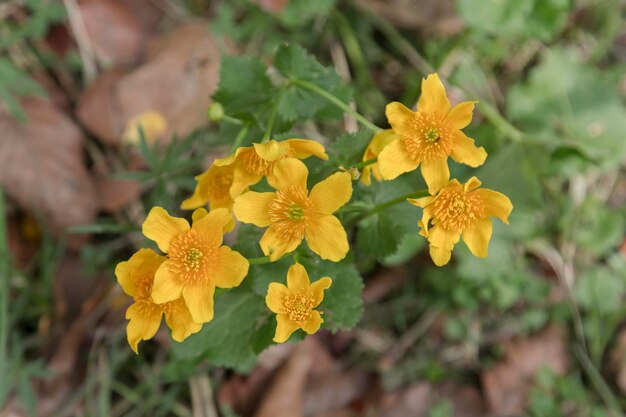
600, 290
598, 229
244, 86
228, 339
348, 149
378, 235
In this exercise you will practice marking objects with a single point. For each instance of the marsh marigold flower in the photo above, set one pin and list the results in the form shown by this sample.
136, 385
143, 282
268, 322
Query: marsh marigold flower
136, 276
292, 213
252, 163
196, 260
461, 210
153, 124
213, 187
294, 304
429, 136
379, 141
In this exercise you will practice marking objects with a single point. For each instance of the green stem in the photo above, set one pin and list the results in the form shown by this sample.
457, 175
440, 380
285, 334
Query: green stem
496, 119
365, 163
337, 102
4, 301
383, 206
270, 123
240, 136
259, 261
231, 120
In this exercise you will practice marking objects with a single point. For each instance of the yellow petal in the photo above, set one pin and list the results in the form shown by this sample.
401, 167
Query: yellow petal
313, 323
166, 285
145, 319
398, 116
231, 269
199, 301
213, 224
284, 328
422, 201
144, 261
442, 238
297, 278
326, 236
440, 256
243, 179
198, 214
200, 195
465, 152
427, 214
496, 204
178, 318
253, 207
433, 98
275, 297
366, 175
461, 115
317, 290
230, 159
287, 172
380, 140
275, 244
477, 238
394, 161
160, 227
436, 174
303, 148
471, 184
271, 150
333, 192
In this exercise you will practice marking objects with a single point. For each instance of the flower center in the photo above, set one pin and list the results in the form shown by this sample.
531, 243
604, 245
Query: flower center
192, 257
144, 287
288, 212
429, 137
298, 307
457, 210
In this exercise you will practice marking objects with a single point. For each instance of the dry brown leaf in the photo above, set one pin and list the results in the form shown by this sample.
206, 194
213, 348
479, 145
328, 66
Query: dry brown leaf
177, 81
115, 34
382, 282
417, 400
42, 166
117, 194
335, 390
506, 385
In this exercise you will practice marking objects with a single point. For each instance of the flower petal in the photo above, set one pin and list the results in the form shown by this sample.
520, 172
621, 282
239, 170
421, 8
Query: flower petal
433, 98
440, 256
143, 261
230, 159
317, 290
298, 278
271, 150
166, 285
461, 115
160, 227
275, 244
333, 192
441, 244
496, 204
274, 299
380, 140
471, 184
422, 201
465, 152
200, 195
242, 179
145, 319
199, 300
394, 161
398, 116
436, 174
477, 238
284, 328
303, 148
213, 225
288, 171
231, 269
313, 323
326, 236
253, 207
179, 320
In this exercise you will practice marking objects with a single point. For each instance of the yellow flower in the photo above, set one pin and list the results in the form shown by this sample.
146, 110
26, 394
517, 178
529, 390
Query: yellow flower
294, 303
429, 136
379, 141
136, 276
197, 262
461, 210
292, 213
153, 124
213, 188
254, 162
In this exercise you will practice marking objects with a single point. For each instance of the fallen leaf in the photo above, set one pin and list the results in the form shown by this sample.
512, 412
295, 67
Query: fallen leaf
506, 385
334, 391
114, 32
382, 282
177, 81
42, 166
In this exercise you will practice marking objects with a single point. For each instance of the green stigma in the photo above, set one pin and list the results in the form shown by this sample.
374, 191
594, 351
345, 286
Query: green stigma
431, 135
295, 212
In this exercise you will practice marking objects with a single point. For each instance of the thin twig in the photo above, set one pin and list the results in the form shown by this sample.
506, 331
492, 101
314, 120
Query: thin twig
85, 49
